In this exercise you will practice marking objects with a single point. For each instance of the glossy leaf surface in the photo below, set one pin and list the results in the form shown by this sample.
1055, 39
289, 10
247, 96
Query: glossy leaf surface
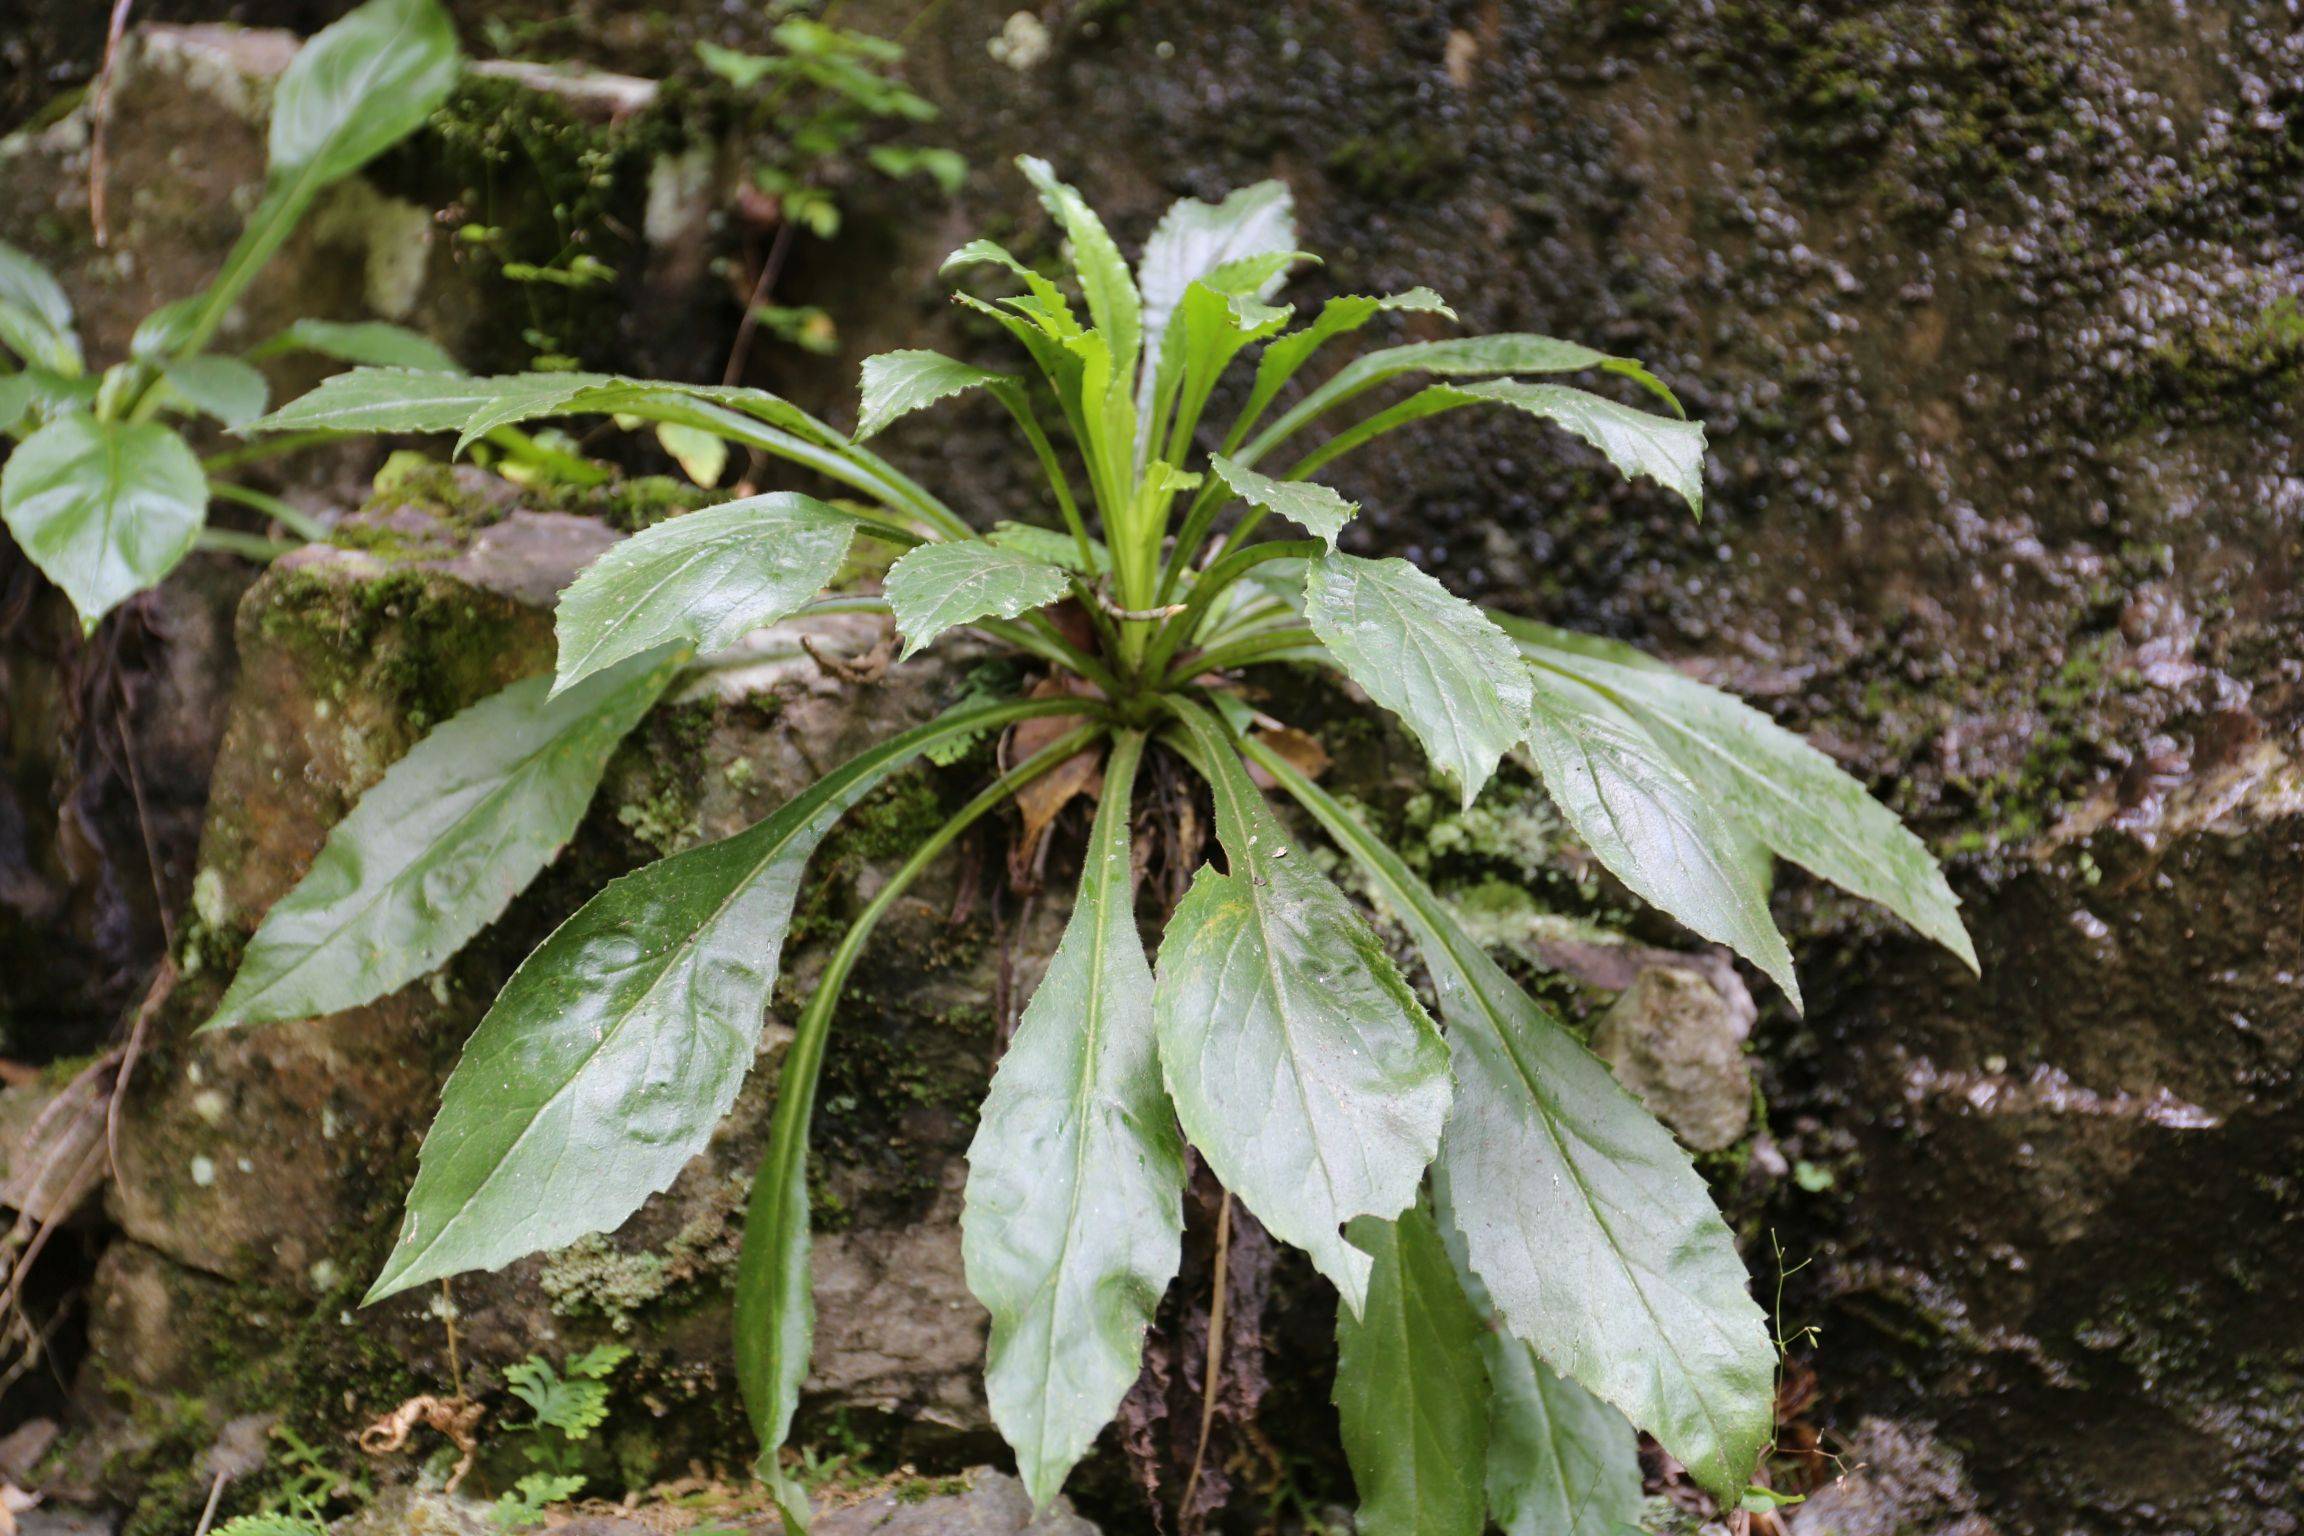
938, 586
1639, 443
1315, 508
359, 87
1427, 655
619, 1044
1593, 1233
899, 383
438, 847
103, 508
1300, 1063
1076, 1174
704, 579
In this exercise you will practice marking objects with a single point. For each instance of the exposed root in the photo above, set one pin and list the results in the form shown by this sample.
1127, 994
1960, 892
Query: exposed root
455, 1418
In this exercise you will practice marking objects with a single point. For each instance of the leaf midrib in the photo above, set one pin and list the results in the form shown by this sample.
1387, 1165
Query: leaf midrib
672, 957
515, 774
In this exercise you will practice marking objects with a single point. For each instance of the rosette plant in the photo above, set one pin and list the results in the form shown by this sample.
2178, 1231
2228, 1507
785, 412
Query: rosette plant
1528, 1264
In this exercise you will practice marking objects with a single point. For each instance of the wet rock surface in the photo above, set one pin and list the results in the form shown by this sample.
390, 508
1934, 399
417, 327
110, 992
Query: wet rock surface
260, 1172
1989, 312
979, 1502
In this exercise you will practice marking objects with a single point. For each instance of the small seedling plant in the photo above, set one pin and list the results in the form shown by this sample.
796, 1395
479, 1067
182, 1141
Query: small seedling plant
100, 490
1528, 1265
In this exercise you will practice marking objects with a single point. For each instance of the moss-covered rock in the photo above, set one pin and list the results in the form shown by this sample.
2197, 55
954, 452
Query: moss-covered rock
261, 1171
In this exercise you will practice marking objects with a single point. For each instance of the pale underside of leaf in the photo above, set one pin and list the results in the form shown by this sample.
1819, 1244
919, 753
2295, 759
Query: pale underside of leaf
1778, 789
1075, 1179
1643, 818
1427, 655
938, 586
1194, 239
439, 846
705, 579
1299, 1060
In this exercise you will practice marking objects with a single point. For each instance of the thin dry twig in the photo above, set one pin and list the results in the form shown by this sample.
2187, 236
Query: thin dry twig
1214, 1371
97, 170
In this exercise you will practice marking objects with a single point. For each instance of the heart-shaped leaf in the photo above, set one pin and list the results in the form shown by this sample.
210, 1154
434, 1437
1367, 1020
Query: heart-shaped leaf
103, 508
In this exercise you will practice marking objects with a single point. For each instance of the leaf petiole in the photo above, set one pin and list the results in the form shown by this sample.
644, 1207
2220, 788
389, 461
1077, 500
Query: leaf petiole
774, 1307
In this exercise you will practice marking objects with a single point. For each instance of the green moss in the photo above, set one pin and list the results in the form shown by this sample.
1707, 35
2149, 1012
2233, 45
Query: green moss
423, 641
594, 1277
659, 777
1409, 159
545, 197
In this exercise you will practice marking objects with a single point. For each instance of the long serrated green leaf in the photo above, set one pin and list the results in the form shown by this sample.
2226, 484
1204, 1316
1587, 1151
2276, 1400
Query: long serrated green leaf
1309, 505
616, 1047
775, 1307
1644, 819
1665, 449
937, 586
1592, 1231
1411, 1390
1113, 303
103, 508
369, 343
1338, 317
1776, 788
437, 848
1427, 655
1076, 1174
359, 87
35, 315
1051, 311
1505, 352
417, 400
223, 387
420, 400
705, 579
1300, 1063
895, 384
1560, 1461
1210, 328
